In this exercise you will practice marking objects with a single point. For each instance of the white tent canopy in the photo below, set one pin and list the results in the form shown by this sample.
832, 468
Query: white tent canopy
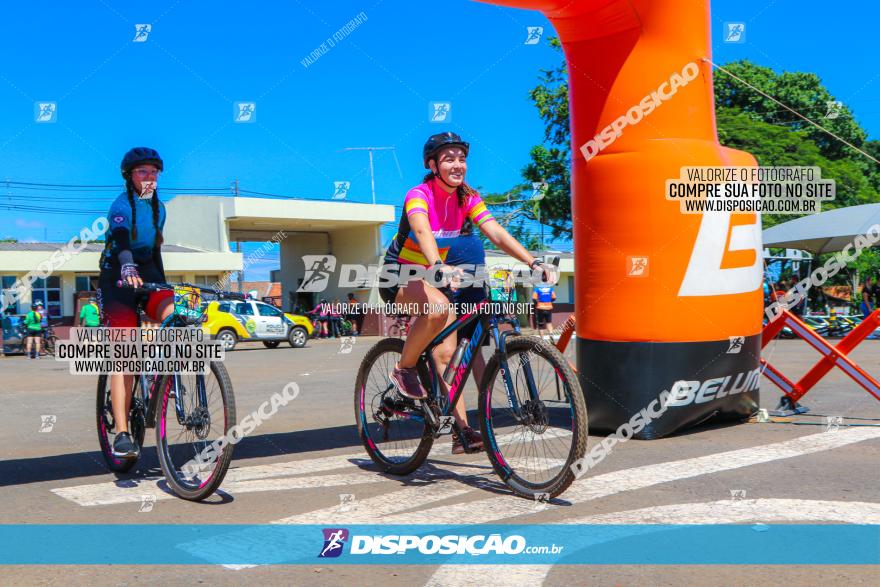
826, 232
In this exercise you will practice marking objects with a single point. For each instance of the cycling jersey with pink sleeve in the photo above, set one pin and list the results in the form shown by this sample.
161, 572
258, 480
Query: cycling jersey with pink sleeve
445, 216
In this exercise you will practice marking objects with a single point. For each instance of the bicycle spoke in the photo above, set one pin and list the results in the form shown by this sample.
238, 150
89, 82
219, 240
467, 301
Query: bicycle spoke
537, 444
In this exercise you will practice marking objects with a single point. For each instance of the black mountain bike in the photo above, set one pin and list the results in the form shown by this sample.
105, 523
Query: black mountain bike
189, 411
532, 412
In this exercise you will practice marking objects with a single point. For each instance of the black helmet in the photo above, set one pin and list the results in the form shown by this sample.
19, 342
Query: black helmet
438, 141
140, 156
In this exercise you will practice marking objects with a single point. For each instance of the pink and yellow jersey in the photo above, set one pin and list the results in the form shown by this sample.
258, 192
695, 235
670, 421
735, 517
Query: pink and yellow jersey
444, 214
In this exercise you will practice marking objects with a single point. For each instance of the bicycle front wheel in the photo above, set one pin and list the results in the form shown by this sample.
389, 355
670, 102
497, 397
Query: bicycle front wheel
196, 411
533, 446
392, 428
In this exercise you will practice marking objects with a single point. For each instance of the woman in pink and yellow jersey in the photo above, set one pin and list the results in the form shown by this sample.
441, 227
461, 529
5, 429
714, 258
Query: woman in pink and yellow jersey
434, 213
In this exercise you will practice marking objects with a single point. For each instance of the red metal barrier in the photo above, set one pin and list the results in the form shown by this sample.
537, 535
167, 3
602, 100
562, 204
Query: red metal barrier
833, 356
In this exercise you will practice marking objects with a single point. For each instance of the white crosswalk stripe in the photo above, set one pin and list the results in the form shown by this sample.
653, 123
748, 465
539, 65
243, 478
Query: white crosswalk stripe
716, 512
588, 488
276, 477
445, 493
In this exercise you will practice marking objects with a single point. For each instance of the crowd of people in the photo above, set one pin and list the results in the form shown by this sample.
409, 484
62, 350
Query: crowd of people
868, 298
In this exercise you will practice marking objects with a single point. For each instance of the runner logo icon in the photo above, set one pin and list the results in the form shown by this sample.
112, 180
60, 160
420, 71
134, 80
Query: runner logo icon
334, 540
736, 344
318, 270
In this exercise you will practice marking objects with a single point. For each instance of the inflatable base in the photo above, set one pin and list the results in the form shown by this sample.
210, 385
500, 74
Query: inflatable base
707, 381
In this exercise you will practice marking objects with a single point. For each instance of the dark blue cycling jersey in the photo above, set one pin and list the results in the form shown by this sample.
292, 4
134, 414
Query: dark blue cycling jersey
141, 246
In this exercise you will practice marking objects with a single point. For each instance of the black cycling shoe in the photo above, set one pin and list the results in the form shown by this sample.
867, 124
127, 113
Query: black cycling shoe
124, 447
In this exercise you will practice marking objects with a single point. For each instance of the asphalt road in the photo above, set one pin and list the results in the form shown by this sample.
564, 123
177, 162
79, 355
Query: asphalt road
789, 471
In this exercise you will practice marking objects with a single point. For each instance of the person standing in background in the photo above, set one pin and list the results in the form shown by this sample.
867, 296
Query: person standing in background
876, 293
33, 331
335, 319
355, 314
89, 314
44, 315
543, 297
868, 293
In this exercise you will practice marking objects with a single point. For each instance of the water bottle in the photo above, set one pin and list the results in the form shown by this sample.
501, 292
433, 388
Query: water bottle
449, 373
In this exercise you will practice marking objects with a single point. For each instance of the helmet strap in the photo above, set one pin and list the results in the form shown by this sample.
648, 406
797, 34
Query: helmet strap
440, 177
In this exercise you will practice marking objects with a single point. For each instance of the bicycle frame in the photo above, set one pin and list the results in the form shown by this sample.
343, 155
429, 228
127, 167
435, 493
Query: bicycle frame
487, 324
150, 398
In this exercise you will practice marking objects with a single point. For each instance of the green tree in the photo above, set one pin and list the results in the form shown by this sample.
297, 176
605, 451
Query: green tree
775, 145
746, 120
802, 92
550, 163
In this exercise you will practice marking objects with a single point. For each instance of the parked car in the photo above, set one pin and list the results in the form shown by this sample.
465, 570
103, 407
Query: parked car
231, 321
13, 338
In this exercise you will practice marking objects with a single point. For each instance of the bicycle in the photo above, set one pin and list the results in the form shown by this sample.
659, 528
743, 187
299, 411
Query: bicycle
398, 432
345, 326
49, 340
178, 406
400, 327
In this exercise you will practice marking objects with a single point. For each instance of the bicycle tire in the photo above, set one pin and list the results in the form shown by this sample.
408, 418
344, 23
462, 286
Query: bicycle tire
577, 411
202, 488
105, 424
407, 465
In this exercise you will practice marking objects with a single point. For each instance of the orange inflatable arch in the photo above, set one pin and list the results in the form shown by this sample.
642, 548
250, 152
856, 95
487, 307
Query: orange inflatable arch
659, 294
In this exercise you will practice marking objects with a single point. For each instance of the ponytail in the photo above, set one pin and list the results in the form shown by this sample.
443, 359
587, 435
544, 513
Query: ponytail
154, 203
129, 189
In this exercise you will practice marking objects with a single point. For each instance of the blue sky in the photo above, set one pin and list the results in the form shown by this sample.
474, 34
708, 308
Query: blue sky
175, 92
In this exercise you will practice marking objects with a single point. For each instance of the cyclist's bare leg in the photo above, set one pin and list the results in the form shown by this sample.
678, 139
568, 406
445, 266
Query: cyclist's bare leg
120, 397
121, 385
427, 325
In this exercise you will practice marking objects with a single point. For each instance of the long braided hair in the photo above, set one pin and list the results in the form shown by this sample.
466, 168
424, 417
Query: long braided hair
154, 204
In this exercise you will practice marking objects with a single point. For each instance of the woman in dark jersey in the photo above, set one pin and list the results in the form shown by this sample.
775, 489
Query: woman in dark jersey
133, 255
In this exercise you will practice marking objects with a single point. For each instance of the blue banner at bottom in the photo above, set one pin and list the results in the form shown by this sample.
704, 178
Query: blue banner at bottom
148, 544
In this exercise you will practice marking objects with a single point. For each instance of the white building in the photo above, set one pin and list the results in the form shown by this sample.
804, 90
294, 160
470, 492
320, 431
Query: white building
202, 232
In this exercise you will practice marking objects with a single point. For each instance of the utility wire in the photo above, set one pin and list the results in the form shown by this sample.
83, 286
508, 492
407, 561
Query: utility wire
792, 110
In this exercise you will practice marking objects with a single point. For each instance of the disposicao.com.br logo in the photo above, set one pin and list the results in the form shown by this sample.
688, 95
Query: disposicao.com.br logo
450, 544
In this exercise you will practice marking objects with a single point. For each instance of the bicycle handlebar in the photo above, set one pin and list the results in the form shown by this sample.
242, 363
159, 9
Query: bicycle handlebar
151, 287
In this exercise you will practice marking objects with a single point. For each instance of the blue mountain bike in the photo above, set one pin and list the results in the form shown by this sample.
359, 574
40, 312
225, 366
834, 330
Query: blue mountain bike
532, 413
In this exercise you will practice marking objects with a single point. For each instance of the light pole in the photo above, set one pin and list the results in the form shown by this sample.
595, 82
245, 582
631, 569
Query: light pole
372, 174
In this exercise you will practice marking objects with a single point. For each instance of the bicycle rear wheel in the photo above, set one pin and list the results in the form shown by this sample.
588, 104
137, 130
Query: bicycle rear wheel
533, 450
50, 345
192, 431
107, 424
392, 428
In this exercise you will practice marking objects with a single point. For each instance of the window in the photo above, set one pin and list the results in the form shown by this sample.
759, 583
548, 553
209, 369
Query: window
571, 289
207, 280
48, 291
86, 283
244, 309
223, 307
8, 293
267, 310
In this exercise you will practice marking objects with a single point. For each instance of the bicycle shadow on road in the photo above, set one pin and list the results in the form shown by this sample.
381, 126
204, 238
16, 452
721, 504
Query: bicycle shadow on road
89, 464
